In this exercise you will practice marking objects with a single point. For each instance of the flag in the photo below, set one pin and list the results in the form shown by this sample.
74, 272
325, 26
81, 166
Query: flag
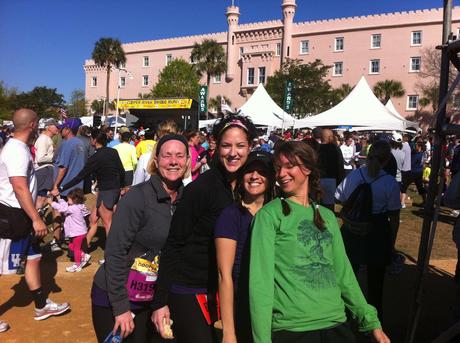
63, 113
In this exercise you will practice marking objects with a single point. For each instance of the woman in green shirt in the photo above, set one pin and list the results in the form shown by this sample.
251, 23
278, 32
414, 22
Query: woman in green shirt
301, 281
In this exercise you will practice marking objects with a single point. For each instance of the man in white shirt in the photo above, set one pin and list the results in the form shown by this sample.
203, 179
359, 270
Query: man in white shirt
406, 167
348, 153
44, 153
18, 188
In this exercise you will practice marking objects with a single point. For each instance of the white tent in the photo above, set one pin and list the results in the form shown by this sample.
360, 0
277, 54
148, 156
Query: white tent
264, 111
389, 105
360, 108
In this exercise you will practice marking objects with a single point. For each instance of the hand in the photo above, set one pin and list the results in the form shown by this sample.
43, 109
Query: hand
124, 190
378, 336
125, 322
203, 160
49, 201
157, 320
55, 192
40, 228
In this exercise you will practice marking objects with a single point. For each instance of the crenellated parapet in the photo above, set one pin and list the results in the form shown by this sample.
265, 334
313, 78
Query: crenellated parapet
259, 35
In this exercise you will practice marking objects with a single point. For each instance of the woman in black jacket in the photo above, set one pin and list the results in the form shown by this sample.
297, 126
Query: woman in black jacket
188, 273
139, 231
106, 165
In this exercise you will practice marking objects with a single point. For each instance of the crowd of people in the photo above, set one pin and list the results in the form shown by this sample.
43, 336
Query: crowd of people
221, 236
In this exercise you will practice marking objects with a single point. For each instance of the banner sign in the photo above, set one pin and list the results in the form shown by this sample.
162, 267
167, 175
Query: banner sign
161, 104
202, 99
288, 97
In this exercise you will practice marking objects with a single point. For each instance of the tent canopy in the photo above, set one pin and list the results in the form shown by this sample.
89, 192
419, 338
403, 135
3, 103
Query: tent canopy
389, 105
264, 111
360, 108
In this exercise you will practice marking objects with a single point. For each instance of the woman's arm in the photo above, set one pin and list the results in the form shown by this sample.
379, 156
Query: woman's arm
225, 252
262, 276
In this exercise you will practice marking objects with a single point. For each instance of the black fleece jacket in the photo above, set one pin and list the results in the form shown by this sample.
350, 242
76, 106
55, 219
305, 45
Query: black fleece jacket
189, 258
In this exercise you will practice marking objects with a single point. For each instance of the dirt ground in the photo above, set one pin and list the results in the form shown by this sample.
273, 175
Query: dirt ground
16, 305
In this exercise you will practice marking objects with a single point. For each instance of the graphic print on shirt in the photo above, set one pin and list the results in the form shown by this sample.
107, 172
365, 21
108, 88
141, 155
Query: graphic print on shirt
314, 269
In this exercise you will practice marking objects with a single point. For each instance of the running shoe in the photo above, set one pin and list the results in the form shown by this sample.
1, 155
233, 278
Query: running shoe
54, 246
84, 260
101, 261
455, 213
51, 309
403, 205
73, 268
3, 326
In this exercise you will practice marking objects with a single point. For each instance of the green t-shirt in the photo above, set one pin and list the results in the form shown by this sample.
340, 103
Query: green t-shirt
300, 277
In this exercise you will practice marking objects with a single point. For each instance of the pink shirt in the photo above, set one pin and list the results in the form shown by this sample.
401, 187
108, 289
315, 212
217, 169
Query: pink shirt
195, 155
74, 223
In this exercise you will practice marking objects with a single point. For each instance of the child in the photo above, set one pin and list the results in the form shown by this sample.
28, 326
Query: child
75, 227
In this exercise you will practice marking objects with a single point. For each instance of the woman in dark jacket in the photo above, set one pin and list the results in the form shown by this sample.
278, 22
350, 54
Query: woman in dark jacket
188, 273
138, 233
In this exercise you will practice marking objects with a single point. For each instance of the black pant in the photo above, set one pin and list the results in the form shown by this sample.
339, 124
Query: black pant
190, 325
144, 331
337, 334
375, 280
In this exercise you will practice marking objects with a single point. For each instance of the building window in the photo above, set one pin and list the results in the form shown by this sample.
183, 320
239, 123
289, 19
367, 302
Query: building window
376, 41
193, 59
338, 69
168, 59
338, 44
241, 52
374, 67
217, 78
94, 81
278, 49
412, 102
146, 61
416, 38
122, 81
250, 76
304, 48
145, 80
415, 64
262, 75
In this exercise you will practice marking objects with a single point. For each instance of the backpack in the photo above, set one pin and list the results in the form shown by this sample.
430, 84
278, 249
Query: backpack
356, 212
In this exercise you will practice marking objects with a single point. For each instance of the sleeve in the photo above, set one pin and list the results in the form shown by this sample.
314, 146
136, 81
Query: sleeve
452, 195
227, 224
340, 191
361, 311
394, 200
125, 224
139, 149
42, 151
60, 206
90, 167
183, 220
16, 163
262, 276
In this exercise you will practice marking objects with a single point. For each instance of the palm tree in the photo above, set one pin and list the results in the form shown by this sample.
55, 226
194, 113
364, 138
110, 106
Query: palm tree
218, 100
108, 53
343, 91
384, 90
210, 59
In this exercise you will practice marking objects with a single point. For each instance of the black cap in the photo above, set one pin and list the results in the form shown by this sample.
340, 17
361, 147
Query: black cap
260, 158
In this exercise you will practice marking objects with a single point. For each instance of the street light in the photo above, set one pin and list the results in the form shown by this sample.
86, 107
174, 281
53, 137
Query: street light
130, 76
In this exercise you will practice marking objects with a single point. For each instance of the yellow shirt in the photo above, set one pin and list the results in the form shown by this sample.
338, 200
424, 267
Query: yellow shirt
127, 153
426, 174
145, 146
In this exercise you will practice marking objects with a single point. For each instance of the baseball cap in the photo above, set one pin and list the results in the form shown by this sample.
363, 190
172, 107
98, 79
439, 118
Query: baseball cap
123, 129
397, 137
71, 123
262, 159
141, 133
50, 122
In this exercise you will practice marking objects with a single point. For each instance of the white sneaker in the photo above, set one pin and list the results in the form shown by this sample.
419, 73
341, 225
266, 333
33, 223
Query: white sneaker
403, 205
101, 261
54, 246
3, 326
84, 260
455, 213
73, 268
51, 309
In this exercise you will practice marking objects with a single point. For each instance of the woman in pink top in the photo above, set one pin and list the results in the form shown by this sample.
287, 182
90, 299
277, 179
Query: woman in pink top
75, 226
193, 138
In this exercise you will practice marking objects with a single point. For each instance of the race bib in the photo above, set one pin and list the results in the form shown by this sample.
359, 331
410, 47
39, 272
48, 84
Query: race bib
142, 279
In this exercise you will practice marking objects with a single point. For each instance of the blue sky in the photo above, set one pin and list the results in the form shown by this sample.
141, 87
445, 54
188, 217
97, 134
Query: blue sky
45, 42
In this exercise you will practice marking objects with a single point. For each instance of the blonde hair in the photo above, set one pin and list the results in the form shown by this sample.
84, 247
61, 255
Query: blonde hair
152, 167
167, 127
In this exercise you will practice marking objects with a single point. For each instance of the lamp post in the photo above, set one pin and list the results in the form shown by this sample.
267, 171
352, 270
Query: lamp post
118, 94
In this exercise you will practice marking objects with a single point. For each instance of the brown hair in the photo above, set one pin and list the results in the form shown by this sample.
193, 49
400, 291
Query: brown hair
77, 195
166, 127
377, 158
296, 151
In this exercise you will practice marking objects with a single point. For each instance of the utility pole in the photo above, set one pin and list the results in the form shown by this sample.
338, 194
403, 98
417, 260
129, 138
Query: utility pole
436, 180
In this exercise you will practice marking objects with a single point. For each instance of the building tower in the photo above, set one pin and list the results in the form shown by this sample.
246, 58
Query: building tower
289, 7
233, 15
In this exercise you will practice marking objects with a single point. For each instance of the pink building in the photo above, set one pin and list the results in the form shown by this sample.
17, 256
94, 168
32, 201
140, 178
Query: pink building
380, 47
